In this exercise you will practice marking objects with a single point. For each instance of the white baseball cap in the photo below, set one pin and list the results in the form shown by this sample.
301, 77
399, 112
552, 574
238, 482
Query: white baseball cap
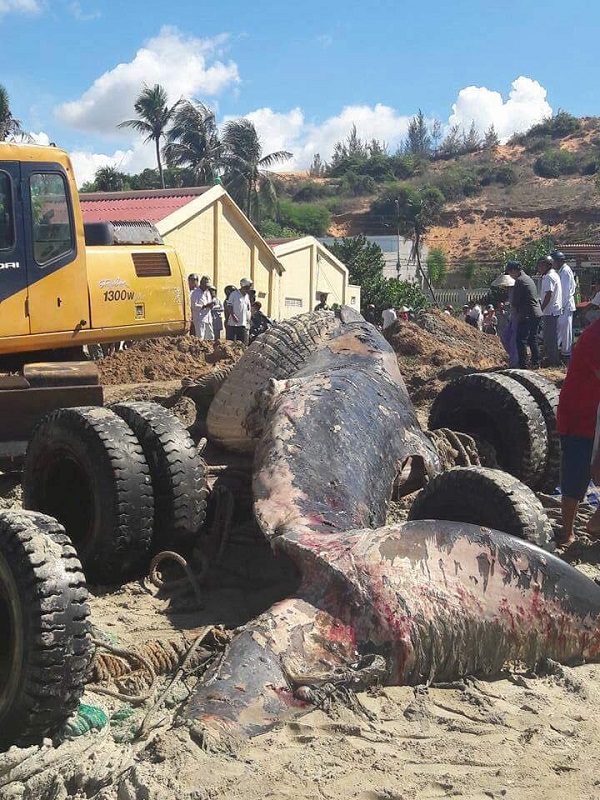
245, 282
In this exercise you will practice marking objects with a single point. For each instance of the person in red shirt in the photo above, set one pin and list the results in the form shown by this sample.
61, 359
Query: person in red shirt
576, 425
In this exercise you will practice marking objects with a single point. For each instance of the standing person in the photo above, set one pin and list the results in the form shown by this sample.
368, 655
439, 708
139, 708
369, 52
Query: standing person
551, 299
370, 314
576, 424
475, 315
527, 313
217, 313
568, 288
322, 304
388, 316
227, 308
202, 306
238, 321
192, 284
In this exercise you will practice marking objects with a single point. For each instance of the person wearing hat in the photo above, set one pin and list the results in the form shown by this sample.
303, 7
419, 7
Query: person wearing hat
322, 304
527, 313
240, 312
551, 299
202, 305
568, 289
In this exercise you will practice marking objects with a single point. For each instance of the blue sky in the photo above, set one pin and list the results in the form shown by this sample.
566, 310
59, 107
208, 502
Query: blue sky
303, 71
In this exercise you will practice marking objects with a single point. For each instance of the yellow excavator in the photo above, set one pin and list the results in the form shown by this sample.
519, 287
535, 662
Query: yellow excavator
63, 285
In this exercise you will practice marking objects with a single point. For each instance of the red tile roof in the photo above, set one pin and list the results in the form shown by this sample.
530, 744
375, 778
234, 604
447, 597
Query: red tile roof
149, 206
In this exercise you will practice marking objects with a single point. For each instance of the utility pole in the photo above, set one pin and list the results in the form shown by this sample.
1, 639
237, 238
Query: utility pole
397, 204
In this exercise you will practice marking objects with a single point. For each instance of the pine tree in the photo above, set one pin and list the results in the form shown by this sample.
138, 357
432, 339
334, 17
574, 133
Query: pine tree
453, 142
418, 140
318, 167
490, 138
472, 140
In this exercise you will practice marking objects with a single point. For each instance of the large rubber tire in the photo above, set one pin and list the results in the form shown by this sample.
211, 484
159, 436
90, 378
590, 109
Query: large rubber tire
85, 467
546, 395
45, 645
177, 471
487, 497
496, 409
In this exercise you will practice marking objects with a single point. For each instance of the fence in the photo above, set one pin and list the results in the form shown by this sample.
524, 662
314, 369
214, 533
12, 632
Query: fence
459, 297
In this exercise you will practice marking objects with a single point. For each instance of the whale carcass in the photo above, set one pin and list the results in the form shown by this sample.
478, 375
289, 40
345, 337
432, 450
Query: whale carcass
409, 603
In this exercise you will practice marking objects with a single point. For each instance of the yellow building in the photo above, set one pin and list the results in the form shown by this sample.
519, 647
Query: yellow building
310, 270
210, 233
213, 237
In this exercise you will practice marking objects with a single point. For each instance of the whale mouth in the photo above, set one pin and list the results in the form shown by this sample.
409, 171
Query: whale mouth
411, 476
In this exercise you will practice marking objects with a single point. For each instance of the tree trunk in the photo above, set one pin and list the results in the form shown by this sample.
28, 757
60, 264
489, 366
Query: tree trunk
158, 161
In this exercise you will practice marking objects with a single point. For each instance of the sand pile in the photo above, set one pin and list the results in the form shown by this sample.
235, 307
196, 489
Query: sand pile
167, 358
439, 347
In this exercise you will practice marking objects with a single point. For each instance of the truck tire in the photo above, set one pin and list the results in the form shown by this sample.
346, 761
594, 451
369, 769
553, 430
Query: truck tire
45, 644
486, 497
85, 467
498, 410
177, 472
546, 395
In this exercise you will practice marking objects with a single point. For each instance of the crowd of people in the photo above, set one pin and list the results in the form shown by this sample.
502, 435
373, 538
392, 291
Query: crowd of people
529, 313
240, 315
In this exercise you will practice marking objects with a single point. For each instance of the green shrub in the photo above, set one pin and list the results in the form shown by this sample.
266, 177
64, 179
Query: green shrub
557, 127
554, 163
456, 182
357, 185
507, 175
310, 218
270, 229
309, 191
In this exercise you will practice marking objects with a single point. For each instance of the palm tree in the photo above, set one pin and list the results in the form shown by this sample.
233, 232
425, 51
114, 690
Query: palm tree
9, 126
193, 142
154, 115
247, 176
109, 179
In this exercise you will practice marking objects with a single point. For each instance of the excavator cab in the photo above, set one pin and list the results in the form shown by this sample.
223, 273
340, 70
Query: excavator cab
43, 282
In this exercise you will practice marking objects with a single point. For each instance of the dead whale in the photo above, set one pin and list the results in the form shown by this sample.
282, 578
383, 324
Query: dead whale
416, 602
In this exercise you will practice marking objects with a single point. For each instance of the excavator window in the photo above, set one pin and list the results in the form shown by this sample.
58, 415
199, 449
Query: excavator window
52, 230
7, 226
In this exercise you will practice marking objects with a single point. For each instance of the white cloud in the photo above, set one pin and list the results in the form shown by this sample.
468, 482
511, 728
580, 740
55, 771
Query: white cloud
185, 66
20, 6
290, 131
80, 15
525, 106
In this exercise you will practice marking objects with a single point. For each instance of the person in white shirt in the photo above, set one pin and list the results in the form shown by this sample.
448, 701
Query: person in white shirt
551, 300
388, 316
475, 315
568, 288
240, 312
202, 305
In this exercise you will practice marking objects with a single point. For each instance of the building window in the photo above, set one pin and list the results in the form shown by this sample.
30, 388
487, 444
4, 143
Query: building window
7, 227
353, 301
293, 302
52, 231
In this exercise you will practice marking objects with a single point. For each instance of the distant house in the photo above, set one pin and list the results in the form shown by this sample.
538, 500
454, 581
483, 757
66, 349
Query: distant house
397, 256
310, 269
208, 230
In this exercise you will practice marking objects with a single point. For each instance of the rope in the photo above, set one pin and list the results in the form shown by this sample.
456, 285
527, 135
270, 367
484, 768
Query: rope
169, 555
454, 448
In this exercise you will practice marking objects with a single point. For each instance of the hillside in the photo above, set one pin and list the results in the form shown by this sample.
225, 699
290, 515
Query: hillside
503, 202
